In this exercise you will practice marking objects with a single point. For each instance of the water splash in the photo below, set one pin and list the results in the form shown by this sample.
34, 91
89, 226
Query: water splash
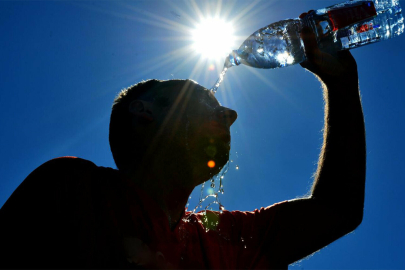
188, 202
217, 178
219, 81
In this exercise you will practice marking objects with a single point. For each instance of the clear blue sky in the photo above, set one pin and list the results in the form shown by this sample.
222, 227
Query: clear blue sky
62, 64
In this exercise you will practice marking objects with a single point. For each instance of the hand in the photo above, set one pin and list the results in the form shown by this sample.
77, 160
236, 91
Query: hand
329, 68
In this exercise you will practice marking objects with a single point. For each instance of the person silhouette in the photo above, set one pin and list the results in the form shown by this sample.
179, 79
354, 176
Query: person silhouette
167, 137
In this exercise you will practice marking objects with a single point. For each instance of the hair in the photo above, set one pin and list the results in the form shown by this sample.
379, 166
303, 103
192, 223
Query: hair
122, 143
125, 149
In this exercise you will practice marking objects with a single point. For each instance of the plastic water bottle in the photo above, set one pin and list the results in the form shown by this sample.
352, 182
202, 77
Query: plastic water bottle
339, 27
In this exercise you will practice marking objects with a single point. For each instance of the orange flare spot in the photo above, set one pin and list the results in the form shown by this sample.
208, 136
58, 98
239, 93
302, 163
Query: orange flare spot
211, 67
211, 164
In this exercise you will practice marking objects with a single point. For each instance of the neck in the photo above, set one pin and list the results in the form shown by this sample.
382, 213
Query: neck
169, 190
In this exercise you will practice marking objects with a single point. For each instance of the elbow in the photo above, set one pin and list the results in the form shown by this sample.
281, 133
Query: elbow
349, 218
358, 219
353, 220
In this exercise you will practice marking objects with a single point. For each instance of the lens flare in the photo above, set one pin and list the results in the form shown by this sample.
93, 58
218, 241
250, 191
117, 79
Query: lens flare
211, 164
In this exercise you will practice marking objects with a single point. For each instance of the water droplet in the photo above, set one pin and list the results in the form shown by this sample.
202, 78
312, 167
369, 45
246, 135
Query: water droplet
245, 246
222, 177
237, 167
212, 185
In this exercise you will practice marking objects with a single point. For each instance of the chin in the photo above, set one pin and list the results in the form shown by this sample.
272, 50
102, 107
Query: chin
210, 149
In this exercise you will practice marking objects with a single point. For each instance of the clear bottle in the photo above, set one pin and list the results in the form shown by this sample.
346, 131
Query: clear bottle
339, 27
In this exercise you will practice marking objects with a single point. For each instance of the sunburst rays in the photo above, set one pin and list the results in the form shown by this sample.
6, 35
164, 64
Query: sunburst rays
180, 21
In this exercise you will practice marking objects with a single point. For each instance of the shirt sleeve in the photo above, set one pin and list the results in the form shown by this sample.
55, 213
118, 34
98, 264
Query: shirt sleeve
243, 240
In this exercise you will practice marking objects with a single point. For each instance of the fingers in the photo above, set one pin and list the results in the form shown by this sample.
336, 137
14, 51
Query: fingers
321, 63
310, 44
318, 62
308, 47
302, 16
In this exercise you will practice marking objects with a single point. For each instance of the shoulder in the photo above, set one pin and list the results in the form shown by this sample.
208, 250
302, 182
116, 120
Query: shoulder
263, 215
58, 171
244, 237
64, 165
260, 219
59, 168
52, 213
49, 180
71, 168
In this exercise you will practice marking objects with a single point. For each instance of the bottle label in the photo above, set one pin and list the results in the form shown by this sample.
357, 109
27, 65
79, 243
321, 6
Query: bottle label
364, 28
359, 29
346, 16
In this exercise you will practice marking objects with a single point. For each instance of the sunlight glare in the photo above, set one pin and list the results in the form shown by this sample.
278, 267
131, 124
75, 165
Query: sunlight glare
213, 38
284, 58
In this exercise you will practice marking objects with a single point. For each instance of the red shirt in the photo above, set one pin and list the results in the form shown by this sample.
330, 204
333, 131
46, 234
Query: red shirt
71, 213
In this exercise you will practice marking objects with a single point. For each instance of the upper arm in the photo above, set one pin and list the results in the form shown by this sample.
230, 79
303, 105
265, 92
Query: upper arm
304, 226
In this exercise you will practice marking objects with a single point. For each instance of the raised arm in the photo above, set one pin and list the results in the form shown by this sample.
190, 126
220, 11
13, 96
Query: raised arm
340, 177
335, 206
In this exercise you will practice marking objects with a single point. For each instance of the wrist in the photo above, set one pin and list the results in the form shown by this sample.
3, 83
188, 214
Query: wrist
344, 81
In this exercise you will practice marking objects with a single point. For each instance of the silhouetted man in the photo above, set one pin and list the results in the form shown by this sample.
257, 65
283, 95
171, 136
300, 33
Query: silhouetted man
71, 213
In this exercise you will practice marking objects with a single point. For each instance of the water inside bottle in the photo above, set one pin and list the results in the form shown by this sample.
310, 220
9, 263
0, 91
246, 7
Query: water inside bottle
274, 46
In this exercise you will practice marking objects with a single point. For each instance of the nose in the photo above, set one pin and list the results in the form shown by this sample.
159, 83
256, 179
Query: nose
227, 116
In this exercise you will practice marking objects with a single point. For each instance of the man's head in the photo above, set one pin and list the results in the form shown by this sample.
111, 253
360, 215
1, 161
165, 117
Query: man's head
177, 124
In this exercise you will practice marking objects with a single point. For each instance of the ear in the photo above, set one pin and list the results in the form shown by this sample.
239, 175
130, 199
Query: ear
141, 110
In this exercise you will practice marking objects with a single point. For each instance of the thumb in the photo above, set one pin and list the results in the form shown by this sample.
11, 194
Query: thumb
317, 61
310, 44
311, 50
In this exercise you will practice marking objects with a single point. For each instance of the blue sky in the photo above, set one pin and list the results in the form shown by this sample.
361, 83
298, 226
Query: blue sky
62, 64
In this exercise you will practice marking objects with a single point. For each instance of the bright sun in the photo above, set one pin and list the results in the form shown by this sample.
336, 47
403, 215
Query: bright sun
213, 38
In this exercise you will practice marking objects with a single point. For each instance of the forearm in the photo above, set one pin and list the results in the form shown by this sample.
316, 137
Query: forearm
340, 177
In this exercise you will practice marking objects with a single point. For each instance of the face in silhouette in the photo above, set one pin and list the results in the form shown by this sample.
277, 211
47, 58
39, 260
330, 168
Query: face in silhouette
185, 122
